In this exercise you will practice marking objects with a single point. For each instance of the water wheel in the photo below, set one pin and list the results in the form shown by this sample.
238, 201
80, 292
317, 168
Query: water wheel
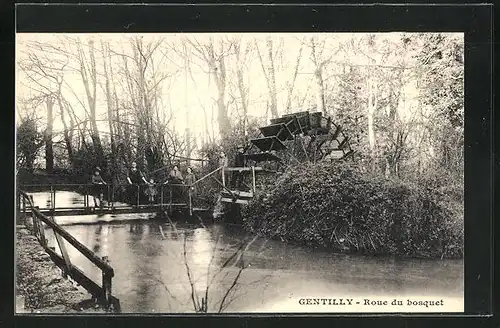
297, 138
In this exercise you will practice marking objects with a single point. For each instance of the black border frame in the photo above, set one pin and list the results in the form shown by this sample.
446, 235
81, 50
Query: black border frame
474, 20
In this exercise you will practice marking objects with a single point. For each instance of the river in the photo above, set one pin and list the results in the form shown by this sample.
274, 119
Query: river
159, 266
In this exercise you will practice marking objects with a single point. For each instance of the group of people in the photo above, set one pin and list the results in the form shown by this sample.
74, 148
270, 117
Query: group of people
136, 177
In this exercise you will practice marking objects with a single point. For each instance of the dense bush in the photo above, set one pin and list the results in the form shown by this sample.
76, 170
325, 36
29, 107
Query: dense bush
337, 206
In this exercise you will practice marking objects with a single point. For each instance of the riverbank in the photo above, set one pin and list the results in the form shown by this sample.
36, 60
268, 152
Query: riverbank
40, 287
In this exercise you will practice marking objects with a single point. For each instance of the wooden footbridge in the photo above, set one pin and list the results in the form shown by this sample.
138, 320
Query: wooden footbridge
169, 197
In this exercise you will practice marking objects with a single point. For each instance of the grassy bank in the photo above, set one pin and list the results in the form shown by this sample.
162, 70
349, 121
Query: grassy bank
339, 207
40, 285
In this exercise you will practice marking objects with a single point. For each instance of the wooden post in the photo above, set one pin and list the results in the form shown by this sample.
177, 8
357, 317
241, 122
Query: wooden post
43, 240
190, 202
112, 196
18, 204
106, 284
52, 197
108, 196
161, 196
223, 177
64, 253
85, 199
253, 179
35, 225
24, 207
170, 202
54, 203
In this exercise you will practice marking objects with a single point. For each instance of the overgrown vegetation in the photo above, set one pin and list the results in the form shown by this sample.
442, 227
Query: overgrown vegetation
339, 206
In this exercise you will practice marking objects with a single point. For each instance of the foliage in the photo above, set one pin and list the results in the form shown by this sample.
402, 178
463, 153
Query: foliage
338, 206
29, 143
85, 162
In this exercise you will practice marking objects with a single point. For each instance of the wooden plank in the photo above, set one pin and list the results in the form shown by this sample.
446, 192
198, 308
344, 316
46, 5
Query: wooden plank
265, 156
115, 210
253, 180
199, 209
64, 252
243, 169
268, 143
278, 130
237, 201
240, 193
271, 130
280, 120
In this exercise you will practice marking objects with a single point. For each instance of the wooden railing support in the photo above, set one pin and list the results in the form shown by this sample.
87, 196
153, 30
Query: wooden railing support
64, 262
190, 202
106, 283
171, 197
64, 253
253, 179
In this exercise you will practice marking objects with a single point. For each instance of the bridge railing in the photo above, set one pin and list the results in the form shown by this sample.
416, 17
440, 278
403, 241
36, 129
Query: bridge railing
165, 196
114, 194
101, 293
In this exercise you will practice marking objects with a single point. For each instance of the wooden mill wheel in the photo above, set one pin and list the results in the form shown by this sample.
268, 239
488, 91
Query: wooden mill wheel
298, 138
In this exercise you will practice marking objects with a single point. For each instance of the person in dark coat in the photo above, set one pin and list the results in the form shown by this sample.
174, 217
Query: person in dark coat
135, 178
98, 187
176, 175
239, 161
176, 178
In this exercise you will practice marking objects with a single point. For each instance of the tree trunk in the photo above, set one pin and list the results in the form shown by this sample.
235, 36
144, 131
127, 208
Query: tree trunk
241, 89
269, 74
272, 80
49, 151
292, 84
219, 74
320, 90
89, 79
318, 77
110, 116
372, 104
67, 139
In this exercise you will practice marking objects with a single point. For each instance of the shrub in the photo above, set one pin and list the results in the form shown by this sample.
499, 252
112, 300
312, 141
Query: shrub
336, 205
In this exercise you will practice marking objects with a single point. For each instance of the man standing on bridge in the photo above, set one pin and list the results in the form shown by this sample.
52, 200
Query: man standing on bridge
135, 177
98, 187
239, 161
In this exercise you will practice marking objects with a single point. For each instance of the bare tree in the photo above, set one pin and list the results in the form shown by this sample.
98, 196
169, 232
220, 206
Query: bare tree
214, 54
291, 84
49, 151
241, 53
269, 74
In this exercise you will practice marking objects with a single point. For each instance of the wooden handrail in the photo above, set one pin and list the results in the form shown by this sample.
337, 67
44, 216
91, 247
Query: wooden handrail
206, 175
75, 243
108, 184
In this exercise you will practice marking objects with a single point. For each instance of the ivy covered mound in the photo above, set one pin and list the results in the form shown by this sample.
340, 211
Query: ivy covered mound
337, 206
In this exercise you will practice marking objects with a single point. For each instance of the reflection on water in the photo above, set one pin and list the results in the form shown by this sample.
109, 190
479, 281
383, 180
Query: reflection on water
152, 260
